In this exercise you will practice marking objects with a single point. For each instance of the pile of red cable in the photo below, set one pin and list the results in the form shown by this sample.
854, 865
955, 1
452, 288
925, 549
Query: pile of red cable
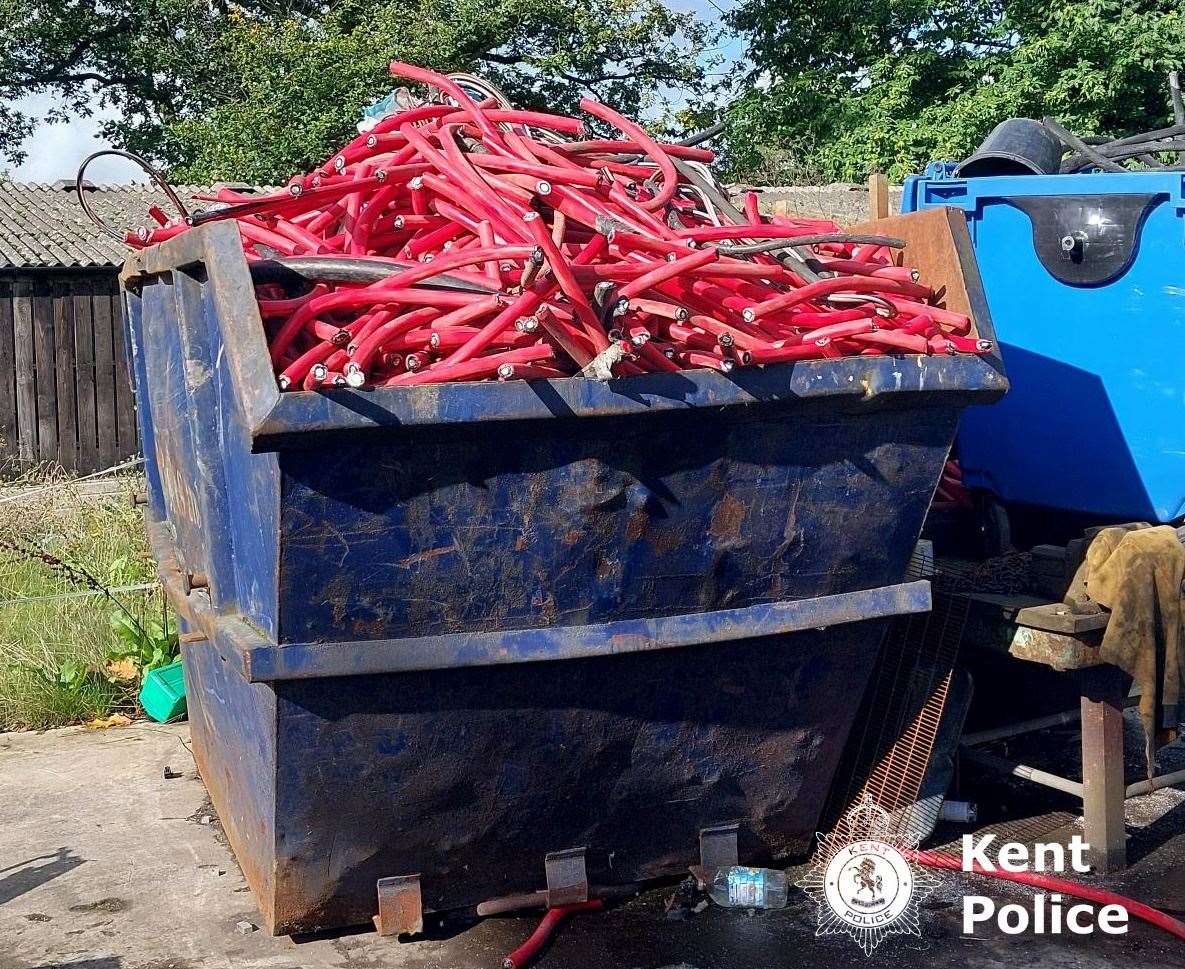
461, 239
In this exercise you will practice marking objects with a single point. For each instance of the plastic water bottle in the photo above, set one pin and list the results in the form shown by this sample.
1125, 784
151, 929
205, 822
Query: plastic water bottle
740, 887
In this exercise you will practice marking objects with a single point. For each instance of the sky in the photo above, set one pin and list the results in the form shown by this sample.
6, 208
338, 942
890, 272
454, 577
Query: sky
56, 150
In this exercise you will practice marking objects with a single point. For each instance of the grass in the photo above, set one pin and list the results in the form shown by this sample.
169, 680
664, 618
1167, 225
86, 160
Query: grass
56, 653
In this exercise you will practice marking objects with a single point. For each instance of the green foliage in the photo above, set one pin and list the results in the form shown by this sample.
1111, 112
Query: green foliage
260, 89
145, 642
890, 85
67, 693
61, 660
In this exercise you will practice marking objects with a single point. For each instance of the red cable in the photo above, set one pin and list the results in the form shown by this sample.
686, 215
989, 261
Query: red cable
526, 953
446, 188
1051, 883
670, 177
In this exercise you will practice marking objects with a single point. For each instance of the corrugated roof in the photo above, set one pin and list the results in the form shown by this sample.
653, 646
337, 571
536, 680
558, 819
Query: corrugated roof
43, 226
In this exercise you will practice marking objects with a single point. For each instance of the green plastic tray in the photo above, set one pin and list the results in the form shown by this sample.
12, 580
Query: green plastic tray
163, 693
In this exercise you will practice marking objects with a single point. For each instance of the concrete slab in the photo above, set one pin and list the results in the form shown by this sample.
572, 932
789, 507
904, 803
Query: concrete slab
107, 864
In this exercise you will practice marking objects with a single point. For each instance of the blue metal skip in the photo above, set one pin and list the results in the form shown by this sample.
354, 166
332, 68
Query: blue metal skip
448, 629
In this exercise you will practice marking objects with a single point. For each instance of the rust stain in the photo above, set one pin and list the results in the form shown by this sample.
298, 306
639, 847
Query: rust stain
369, 628
573, 536
240, 832
666, 540
426, 555
636, 525
727, 518
627, 642
337, 595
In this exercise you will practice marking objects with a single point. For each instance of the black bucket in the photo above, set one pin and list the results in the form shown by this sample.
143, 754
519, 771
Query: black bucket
1018, 146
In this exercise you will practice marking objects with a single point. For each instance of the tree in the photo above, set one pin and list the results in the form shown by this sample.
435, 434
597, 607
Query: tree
844, 88
259, 89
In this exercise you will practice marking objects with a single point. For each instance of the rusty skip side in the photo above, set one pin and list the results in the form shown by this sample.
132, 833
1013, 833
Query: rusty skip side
267, 662
582, 523
225, 709
471, 775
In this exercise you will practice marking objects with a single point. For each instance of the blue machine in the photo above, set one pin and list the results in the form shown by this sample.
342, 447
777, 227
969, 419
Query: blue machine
443, 631
1085, 277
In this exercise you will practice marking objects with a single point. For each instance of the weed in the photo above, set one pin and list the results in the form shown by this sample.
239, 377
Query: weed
71, 648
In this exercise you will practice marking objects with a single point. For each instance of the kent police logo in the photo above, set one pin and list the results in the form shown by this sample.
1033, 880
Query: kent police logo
869, 884
862, 882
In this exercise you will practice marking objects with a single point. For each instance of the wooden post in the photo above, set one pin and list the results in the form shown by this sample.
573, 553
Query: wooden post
1104, 689
84, 356
66, 379
9, 437
26, 377
878, 196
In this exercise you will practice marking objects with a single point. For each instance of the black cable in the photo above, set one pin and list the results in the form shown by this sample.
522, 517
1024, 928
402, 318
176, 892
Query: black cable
701, 136
773, 245
350, 269
1128, 151
157, 178
725, 206
1149, 143
1170, 132
1136, 151
1074, 143
235, 210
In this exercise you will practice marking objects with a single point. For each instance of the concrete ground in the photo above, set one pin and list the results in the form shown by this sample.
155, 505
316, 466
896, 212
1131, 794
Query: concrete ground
107, 864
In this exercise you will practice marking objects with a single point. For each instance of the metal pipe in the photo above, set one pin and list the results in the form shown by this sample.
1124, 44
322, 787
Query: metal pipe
1024, 771
1029, 726
1155, 783
772, 245
351, 269
1020, 727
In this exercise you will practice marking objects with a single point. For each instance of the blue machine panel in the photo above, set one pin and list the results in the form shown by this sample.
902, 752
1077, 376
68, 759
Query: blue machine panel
1085, 278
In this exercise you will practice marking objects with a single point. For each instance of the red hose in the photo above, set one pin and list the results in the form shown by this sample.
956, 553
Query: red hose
1141, 911
526, 953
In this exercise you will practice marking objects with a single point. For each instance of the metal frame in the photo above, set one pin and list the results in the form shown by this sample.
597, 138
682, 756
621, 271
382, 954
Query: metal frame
1054, 635
1102, 790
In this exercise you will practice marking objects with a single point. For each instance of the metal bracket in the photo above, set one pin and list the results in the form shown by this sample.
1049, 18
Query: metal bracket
401, 907
717, 849
567, 877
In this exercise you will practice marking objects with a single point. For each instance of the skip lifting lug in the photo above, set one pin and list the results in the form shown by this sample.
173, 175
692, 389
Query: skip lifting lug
567, 877
401, 906
195, 580
717, 849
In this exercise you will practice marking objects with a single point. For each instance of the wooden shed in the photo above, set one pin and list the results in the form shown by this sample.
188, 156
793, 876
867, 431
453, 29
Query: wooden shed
65, 396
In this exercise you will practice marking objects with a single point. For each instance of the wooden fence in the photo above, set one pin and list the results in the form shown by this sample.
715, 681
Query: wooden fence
65, 395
